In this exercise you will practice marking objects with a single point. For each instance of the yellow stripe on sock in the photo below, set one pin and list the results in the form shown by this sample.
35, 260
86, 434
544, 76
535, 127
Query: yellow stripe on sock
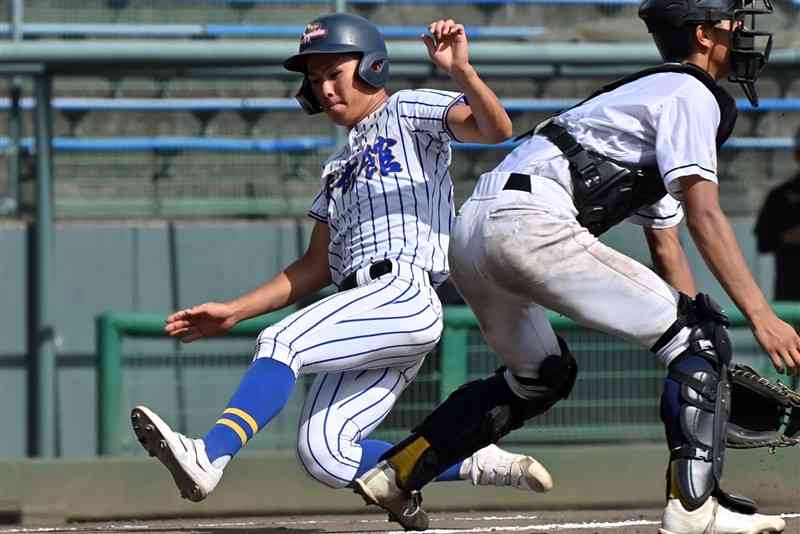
236, 428
245, 416
406, 459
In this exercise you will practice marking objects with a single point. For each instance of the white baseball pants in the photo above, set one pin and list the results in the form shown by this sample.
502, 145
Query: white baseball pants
366, 345
512, 253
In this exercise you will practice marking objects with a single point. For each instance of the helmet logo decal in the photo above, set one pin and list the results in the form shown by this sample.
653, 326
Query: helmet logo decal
312, 31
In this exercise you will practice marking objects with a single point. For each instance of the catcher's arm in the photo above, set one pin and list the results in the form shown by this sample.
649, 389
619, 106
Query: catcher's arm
716, 241
669, 258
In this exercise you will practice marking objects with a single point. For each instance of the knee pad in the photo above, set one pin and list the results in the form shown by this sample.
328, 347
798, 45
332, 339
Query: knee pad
477, 414
557, 376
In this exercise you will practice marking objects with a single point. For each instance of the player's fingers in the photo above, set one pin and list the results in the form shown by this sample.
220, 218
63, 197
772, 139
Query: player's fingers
437, 30
176, 325
447, 27
432, 30
196, 311
793, 361
429, 44
459, 29
789, 367
179, 332
777, 361
175, 316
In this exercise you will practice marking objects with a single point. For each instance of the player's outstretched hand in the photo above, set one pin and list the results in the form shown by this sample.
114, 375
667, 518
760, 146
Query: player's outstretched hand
205, 320
781, 342
447, 44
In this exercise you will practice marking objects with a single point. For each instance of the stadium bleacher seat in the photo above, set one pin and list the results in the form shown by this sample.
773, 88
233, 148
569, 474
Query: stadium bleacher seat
182, 144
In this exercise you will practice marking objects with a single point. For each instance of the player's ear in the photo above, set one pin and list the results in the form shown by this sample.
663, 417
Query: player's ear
703, 37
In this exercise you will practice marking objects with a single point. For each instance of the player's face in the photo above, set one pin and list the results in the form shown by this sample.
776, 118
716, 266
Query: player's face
344, 97
720, 52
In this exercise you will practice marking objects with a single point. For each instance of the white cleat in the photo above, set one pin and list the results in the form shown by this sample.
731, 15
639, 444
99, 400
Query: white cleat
378, 486
185, 458
713, 518
492, 466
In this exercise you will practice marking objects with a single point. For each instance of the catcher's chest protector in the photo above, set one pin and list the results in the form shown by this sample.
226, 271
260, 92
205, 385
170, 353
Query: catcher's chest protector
607, 192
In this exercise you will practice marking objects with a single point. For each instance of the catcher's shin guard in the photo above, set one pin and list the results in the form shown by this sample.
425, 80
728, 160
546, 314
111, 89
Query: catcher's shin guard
696, 407
475, 415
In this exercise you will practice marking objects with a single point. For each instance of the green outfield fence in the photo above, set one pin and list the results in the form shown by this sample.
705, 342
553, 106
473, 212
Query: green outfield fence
615, 399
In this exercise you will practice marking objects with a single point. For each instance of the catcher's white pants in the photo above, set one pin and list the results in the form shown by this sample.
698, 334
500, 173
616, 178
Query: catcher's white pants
513, 252
366, 345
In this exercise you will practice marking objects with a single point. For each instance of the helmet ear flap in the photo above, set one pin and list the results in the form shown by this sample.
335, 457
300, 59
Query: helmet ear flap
307, 99
372, 75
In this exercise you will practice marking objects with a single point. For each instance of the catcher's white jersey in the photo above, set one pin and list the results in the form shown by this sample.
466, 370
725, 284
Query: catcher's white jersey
387, 192
515, 252
386, 195
669, 119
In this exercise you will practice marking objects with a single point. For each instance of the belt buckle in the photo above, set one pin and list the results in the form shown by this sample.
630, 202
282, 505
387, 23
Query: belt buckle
379, 268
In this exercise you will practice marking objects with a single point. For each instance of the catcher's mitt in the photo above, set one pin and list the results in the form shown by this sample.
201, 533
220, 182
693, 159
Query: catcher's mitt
763, 413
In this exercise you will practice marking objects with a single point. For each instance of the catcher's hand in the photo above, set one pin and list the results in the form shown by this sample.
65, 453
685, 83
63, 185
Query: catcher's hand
763, 413
205, 320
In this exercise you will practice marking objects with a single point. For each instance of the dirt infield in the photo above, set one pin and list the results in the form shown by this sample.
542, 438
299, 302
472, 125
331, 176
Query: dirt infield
562, 522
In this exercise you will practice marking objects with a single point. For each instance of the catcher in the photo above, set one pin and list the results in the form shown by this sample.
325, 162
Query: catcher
644, 149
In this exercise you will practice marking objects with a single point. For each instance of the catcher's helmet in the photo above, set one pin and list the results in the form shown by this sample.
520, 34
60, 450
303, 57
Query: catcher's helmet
672, 23
341, 33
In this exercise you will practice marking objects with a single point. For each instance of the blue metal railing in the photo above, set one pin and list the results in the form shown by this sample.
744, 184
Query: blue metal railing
51, 30
298, 144
512, 105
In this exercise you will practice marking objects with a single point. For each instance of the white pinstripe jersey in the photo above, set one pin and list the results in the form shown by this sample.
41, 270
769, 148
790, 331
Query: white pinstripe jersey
387, 193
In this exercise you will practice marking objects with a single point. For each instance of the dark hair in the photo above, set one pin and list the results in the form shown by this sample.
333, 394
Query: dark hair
674, 44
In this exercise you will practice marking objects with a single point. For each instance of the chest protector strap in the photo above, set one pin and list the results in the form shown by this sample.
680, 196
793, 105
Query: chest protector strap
605, 191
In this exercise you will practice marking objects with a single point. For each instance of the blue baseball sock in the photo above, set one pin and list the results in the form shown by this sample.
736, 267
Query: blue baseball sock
372, 449
263, 391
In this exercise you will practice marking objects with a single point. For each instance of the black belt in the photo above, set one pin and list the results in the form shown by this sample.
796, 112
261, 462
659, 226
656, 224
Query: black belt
518, 182
376, 270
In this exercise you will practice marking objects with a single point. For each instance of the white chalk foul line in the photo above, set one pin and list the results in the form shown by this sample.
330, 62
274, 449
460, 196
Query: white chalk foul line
497, 518
540, 528
523, 528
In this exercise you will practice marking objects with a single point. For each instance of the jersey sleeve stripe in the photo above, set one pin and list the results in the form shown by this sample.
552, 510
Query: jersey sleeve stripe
657, 218
446, 127
687, 166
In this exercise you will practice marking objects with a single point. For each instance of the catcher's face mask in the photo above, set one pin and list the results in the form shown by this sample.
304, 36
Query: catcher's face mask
750, 49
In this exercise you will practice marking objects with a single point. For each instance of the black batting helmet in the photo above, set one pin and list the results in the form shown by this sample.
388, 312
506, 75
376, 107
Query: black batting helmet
341, 33
672, 23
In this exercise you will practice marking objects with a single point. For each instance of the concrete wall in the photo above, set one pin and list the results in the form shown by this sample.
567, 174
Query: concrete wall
120, 266
156, 267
